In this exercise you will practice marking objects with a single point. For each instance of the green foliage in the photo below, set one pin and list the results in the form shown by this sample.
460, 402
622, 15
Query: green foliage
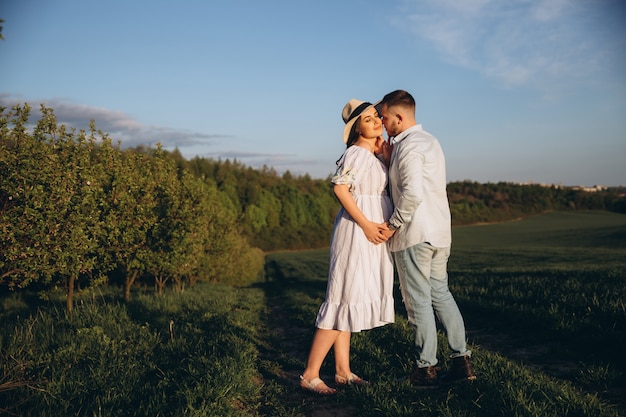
297, 212
76, 211
471, 202
51, 224
274, 212
127, 210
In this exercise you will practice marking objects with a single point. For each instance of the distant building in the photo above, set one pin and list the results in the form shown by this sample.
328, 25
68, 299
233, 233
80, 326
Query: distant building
594, 189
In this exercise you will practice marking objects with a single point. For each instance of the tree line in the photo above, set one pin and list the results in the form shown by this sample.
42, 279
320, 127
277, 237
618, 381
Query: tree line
472, 202
287, 212
76, 210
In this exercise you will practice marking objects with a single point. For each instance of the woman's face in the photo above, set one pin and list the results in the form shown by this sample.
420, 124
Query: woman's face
370, 126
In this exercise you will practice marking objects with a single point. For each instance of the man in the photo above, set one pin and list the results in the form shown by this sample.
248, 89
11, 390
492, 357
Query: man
421, 230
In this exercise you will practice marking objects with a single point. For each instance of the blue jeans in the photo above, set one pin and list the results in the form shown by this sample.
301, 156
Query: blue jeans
422, 271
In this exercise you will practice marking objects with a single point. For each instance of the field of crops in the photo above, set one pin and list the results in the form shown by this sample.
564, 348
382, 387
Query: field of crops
544, 301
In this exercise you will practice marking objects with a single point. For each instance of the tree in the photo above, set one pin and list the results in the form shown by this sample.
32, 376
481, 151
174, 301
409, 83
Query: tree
23, 255
50, 225
127, 210
168, 225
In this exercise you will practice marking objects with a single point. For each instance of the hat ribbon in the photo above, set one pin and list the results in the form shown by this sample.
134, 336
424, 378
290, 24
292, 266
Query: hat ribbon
359, 110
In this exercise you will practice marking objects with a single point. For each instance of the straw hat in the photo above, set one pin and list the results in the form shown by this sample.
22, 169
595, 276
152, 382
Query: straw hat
350, 113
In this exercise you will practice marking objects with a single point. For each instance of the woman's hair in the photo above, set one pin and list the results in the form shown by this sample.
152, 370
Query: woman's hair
352, 137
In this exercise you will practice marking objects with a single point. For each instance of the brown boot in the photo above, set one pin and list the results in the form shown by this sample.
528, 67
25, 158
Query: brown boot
425, 377
460, 370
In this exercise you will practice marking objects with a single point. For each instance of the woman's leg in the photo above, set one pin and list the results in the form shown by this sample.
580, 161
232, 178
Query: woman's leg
322, 342
342, 355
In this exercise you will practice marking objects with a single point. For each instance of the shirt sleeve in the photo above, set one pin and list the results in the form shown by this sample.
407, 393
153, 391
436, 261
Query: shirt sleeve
351, 167
410, 169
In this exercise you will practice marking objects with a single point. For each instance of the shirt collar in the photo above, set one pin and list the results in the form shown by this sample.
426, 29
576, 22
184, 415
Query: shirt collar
405, 133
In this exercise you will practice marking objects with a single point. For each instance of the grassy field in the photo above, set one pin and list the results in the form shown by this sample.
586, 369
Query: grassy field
544, 301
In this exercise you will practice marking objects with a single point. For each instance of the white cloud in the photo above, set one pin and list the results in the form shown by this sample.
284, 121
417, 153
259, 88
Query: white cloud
118, 125
546, 10
122, 127
520, 42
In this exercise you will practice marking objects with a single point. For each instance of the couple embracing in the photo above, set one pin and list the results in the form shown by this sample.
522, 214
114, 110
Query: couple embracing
373, 231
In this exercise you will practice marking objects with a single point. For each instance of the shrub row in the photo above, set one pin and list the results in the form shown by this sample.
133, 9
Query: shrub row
76, 211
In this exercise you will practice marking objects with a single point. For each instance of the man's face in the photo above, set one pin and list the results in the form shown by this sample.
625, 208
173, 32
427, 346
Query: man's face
391, 121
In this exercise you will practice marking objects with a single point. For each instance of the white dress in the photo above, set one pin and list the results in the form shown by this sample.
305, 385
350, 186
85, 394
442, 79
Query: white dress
359, 295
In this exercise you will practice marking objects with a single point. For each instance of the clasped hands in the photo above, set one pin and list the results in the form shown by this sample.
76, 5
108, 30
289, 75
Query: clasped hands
378, 232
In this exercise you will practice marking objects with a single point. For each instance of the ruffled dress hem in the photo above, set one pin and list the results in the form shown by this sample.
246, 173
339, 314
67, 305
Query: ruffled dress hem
356, 317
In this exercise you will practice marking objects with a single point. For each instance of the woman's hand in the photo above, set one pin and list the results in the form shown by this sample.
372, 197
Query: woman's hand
384, 149
378, 145
373, 232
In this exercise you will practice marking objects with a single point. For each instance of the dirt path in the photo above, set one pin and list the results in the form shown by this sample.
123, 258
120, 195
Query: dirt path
286, 352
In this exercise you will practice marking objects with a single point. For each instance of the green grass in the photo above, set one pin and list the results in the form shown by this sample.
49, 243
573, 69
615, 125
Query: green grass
567, 241
552, 285
108, 359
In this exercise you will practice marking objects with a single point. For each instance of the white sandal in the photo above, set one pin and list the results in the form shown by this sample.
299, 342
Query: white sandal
314, 386
351, 380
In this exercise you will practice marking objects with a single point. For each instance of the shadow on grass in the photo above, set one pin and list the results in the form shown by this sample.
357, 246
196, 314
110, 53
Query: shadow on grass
562, 323
519, 325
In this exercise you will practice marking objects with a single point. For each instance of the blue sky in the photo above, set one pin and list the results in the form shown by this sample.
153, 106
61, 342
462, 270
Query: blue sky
515, 90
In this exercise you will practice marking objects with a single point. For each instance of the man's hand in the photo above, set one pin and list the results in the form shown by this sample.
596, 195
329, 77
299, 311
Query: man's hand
373, 232
386, 232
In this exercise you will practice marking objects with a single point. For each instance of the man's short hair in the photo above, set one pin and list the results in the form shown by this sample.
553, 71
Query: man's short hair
399, 98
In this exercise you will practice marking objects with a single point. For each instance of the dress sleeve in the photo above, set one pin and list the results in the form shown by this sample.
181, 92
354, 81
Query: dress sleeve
351, 167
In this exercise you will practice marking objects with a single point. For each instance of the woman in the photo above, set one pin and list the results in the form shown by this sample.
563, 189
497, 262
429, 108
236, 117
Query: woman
359, 295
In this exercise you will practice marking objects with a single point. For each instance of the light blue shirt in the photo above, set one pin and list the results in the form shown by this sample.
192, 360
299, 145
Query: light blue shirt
417, 176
